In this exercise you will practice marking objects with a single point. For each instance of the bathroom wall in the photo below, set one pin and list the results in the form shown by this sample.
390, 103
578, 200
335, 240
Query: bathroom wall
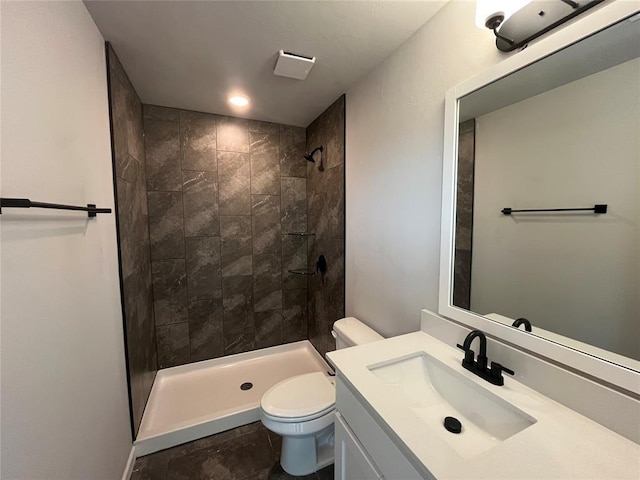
223, 193
325, 199
65, 411
133, 236
555, 258
394, 130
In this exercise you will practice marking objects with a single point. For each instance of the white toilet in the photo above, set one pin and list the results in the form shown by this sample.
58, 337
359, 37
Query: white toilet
301, 408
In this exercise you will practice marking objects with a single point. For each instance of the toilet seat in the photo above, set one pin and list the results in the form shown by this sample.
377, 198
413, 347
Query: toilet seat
300, 398
307, 418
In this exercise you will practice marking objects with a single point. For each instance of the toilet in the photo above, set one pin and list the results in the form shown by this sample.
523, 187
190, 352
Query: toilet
301, 408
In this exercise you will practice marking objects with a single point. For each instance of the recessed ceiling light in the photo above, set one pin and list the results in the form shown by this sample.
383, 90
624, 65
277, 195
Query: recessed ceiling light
239, 101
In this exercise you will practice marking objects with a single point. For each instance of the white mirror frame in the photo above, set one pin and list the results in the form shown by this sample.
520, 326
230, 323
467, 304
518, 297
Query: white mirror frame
589, 365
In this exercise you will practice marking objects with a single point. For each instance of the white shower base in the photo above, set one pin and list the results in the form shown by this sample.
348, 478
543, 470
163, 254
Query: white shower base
199, 399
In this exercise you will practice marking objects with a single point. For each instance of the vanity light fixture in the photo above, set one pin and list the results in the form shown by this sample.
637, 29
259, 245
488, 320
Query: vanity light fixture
239, 101
516, 22
491, 13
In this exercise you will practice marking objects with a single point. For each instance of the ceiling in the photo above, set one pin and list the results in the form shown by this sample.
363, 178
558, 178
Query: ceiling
194, 55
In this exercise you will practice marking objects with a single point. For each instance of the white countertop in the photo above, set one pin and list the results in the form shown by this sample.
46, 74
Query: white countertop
561, 444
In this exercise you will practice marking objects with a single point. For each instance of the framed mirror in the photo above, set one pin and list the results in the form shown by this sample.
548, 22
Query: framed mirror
541, 198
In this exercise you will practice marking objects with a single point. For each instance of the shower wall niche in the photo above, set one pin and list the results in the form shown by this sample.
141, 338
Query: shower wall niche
223, 194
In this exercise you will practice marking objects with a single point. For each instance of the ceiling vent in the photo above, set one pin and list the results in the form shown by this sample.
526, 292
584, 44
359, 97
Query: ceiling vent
293, 66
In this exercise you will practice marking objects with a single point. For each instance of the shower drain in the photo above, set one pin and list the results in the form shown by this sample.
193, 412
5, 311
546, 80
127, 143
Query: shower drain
246, 386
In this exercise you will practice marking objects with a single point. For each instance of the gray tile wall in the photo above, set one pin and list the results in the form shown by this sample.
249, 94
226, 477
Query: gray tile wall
325, 197
223, 193
133, 236
464, 214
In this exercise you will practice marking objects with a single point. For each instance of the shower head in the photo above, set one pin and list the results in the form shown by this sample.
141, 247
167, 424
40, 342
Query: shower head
309, 156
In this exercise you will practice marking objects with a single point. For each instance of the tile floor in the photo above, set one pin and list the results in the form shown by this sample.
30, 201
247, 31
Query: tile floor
250, 452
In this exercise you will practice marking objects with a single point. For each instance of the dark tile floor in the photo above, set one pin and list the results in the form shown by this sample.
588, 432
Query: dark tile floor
250, 452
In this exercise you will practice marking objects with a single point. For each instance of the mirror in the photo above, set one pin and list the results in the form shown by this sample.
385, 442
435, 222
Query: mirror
567, 138
560, 132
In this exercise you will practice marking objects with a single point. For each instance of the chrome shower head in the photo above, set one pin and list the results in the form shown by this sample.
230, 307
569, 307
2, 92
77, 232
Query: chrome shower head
309, 156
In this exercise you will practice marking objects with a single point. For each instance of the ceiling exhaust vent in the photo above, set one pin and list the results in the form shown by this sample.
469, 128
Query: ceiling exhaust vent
293, 66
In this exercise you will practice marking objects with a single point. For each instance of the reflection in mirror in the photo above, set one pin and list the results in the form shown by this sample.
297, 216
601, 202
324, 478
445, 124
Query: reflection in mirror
563, 132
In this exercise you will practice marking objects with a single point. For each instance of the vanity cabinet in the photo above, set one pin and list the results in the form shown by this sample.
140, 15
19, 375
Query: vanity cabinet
352, 461
363, 449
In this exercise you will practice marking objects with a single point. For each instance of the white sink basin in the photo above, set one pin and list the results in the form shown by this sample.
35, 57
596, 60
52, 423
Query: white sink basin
433, 391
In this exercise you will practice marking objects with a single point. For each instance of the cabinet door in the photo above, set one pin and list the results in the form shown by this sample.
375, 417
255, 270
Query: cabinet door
352, 461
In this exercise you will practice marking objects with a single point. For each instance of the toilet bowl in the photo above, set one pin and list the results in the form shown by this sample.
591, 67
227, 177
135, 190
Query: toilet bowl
301, 408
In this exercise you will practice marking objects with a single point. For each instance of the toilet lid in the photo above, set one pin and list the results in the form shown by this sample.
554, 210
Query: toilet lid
300, 396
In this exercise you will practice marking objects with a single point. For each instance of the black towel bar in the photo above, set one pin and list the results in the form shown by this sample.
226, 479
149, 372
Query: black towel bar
91, 209
600, 208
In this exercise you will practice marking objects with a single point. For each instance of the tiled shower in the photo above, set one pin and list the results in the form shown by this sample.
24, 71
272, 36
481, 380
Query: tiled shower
464, 214
326, 219
223, 194
213, 213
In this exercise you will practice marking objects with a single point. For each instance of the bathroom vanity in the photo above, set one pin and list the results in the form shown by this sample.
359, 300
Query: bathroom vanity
406, 406
370, 454
392, 399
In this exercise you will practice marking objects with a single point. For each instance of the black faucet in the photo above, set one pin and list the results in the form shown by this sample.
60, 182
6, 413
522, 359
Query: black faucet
478, 367
522, 321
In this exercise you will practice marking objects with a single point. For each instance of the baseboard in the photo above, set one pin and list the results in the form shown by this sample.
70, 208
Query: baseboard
128, 468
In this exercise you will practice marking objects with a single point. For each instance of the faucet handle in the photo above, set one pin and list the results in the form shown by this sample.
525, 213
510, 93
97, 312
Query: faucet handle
496, 372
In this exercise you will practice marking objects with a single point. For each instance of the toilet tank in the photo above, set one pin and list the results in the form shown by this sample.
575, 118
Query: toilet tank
350, 331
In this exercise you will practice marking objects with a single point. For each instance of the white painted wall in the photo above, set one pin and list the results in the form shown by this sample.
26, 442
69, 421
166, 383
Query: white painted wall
64, 397
394, 143
574, 146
